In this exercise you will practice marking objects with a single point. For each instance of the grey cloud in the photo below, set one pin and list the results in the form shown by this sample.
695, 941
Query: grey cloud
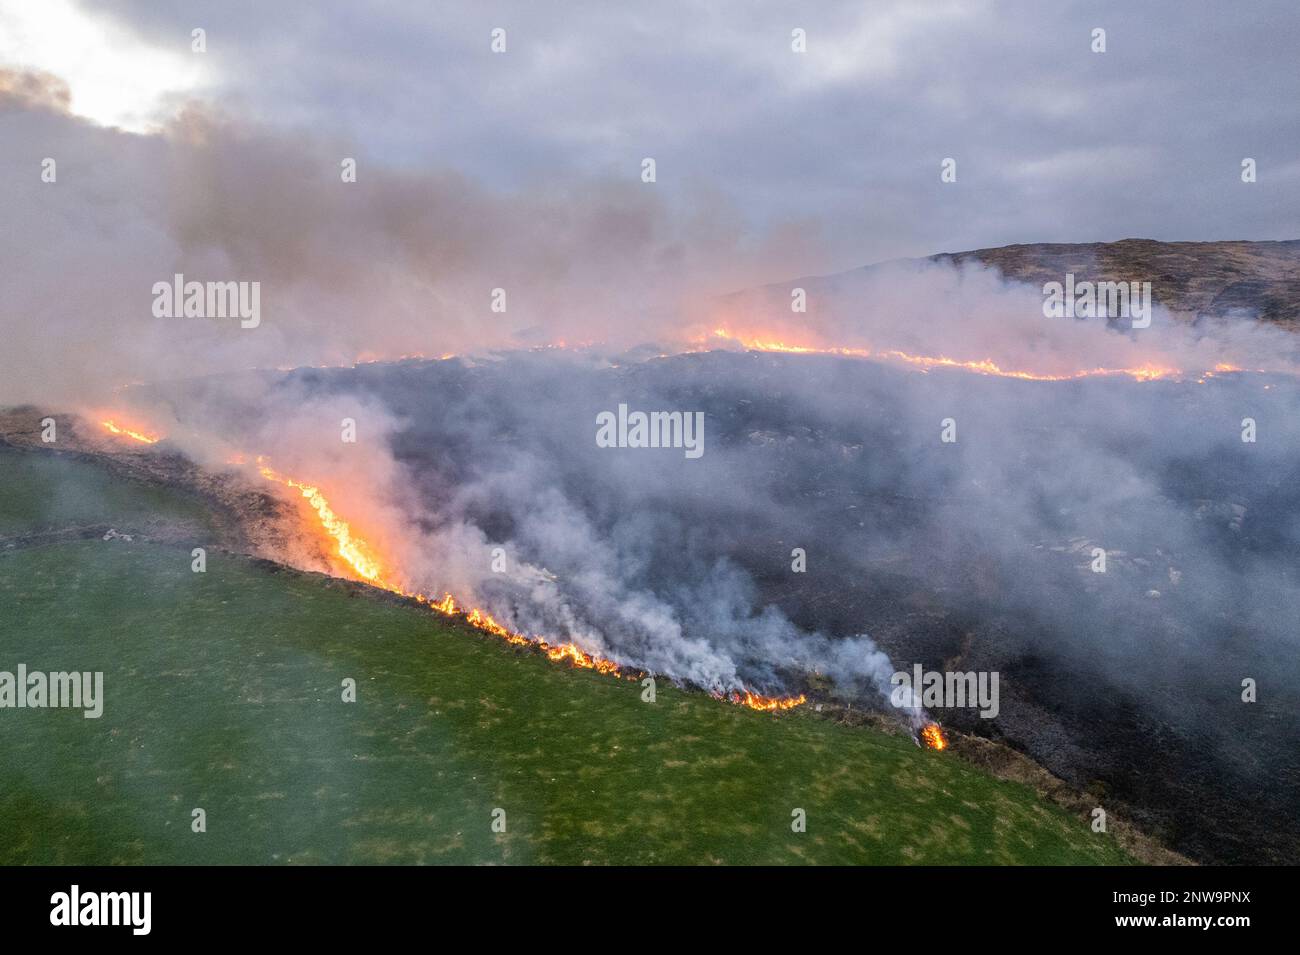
1054, 143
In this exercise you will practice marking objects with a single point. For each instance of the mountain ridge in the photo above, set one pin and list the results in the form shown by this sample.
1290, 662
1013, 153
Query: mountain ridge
1194, 280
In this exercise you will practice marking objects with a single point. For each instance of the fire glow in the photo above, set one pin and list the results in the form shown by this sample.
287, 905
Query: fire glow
360, 559
113, 428
768, 704
1144, 372
932, 736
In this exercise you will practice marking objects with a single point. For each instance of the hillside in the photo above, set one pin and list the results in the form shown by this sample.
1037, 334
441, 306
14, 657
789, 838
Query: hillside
1192, 279
223, 692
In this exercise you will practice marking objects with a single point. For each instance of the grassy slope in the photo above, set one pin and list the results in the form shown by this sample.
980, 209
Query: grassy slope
223, 691
40, 492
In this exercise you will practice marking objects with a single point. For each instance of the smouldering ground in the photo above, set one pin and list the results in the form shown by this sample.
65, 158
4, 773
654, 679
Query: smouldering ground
223, 692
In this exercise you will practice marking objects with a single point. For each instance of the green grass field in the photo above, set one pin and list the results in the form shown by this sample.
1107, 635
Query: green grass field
41, 492
223, 691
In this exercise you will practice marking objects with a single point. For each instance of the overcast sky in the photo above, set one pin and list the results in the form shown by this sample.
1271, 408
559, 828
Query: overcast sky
1053, 142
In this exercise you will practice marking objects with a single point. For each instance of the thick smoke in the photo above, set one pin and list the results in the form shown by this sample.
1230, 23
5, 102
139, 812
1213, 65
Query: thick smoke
470, 480
975, 555
656, 560
398, 262
968, 313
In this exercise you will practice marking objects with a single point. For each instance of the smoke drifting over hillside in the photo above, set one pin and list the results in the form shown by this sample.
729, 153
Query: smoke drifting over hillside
397, 262
978, 554
402, 262
651, 558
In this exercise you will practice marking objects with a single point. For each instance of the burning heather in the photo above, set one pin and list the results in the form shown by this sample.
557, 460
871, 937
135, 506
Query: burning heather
932, 736
1142, 372
113, 428
451, 481
358, 557
354, 553
483, 479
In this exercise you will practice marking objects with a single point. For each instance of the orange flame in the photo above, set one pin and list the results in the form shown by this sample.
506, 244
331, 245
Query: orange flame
361, 562
354, 552
114, 428
933, 736
360, 559
767, 704
1145, 372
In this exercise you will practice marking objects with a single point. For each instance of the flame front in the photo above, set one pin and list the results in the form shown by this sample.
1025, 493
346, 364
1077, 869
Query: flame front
113, 428
1144, 372
354, 552
360, 560
932, 736
767, 704
358, 556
